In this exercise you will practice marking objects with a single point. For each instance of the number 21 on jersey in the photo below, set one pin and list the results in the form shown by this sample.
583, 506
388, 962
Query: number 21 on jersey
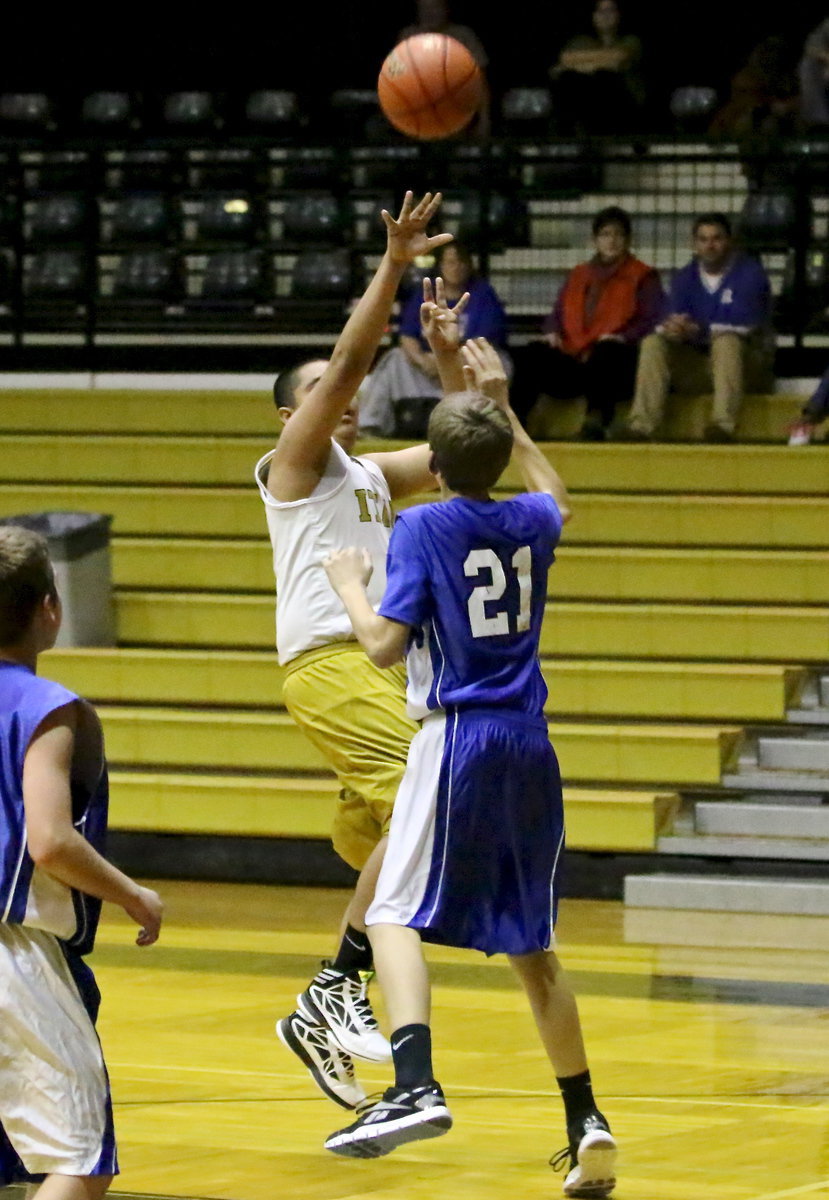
501, 621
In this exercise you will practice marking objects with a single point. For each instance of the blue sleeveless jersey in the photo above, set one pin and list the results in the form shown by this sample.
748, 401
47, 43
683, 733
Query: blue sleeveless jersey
470, 578
25, 701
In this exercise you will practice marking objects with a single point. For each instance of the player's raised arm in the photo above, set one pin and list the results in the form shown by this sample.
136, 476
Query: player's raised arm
304, 445
442, 330
484, 371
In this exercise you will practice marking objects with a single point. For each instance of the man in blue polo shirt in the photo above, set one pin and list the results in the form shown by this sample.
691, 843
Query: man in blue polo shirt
716, 335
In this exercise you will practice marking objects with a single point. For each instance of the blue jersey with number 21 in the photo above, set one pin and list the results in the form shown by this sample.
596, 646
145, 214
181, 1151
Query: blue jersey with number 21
470, 578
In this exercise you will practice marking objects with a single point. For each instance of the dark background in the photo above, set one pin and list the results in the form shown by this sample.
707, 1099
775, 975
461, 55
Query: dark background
313, 48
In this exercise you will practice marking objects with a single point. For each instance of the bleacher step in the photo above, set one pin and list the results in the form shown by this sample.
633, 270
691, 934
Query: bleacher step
663, 755
607, 467
776, 782
761, 820
252, 806
581, 573
726, 894
808, 752
700, 691
164, 509
761, 633
744, 846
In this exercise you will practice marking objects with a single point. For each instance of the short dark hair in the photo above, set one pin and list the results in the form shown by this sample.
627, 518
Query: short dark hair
713, 218
613, 216
26, 579
285, 385
462, 250
471, 439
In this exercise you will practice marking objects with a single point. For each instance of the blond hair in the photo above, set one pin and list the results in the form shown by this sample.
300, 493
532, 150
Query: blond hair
471, 439
26, 579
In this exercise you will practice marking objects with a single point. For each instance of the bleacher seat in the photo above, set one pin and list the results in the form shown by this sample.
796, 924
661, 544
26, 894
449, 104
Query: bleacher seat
29, 111
526, 111
692, 107
312, 217
492, 217
224, 218
60, 217
146, 275
559, 170
307, 167
189, 111
323, 275
386, 167
234, 275
140, 218
352, 112
6, 277
273, 112
768, 220
107, 112
56, 274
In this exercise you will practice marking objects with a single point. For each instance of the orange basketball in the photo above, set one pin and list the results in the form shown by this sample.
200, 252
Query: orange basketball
430, 86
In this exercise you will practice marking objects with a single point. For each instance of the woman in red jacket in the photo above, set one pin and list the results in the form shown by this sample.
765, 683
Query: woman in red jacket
591, 338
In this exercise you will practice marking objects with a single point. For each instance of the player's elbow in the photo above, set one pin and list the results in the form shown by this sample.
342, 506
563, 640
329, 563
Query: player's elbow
46, 847
385, 655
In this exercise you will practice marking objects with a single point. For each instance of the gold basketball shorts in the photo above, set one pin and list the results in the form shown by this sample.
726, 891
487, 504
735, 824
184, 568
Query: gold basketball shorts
355, 714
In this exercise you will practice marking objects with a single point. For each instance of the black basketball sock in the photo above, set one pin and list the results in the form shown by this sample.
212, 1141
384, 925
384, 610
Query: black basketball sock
354, 953
411, 1049
577, 1094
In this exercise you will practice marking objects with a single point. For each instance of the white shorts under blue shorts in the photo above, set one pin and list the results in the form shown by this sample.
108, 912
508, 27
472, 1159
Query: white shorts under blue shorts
55, 1106
476, 835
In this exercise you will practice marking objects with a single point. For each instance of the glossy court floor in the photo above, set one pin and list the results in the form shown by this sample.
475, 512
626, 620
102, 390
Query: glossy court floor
709, 1051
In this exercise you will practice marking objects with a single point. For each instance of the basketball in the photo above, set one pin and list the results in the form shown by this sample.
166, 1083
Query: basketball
430, 86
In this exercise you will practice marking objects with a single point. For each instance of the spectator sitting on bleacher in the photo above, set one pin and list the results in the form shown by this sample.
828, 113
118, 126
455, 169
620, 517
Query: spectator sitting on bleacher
717, 332
814, 413
597, 81
592, 335
408, 372
764, 98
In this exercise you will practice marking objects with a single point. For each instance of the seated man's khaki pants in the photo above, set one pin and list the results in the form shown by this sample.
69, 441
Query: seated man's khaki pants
729, 366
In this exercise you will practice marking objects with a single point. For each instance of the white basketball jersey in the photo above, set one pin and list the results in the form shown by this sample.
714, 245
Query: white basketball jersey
350, 506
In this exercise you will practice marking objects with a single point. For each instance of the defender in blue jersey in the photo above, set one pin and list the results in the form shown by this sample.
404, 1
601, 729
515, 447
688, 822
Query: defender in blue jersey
477, 833
55, 1107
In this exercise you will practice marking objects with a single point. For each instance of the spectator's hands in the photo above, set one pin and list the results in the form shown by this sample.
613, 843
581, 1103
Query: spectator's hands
407, 237
483, 371
553, 340
440, 323
679, 327
352, 565
146, 909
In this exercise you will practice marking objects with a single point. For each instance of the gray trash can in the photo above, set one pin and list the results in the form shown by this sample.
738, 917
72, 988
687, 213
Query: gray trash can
79, 549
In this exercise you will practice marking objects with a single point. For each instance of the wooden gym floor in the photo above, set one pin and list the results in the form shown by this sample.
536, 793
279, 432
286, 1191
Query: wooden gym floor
710, 1056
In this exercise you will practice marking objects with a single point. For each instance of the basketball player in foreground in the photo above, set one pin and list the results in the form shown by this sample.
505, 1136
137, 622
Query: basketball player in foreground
319, 499
55, 1106
478, 828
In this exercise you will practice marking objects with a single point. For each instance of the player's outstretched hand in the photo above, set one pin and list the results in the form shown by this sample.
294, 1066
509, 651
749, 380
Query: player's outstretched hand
352, 565
407, 236
146, 909
440, 323
484, 372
